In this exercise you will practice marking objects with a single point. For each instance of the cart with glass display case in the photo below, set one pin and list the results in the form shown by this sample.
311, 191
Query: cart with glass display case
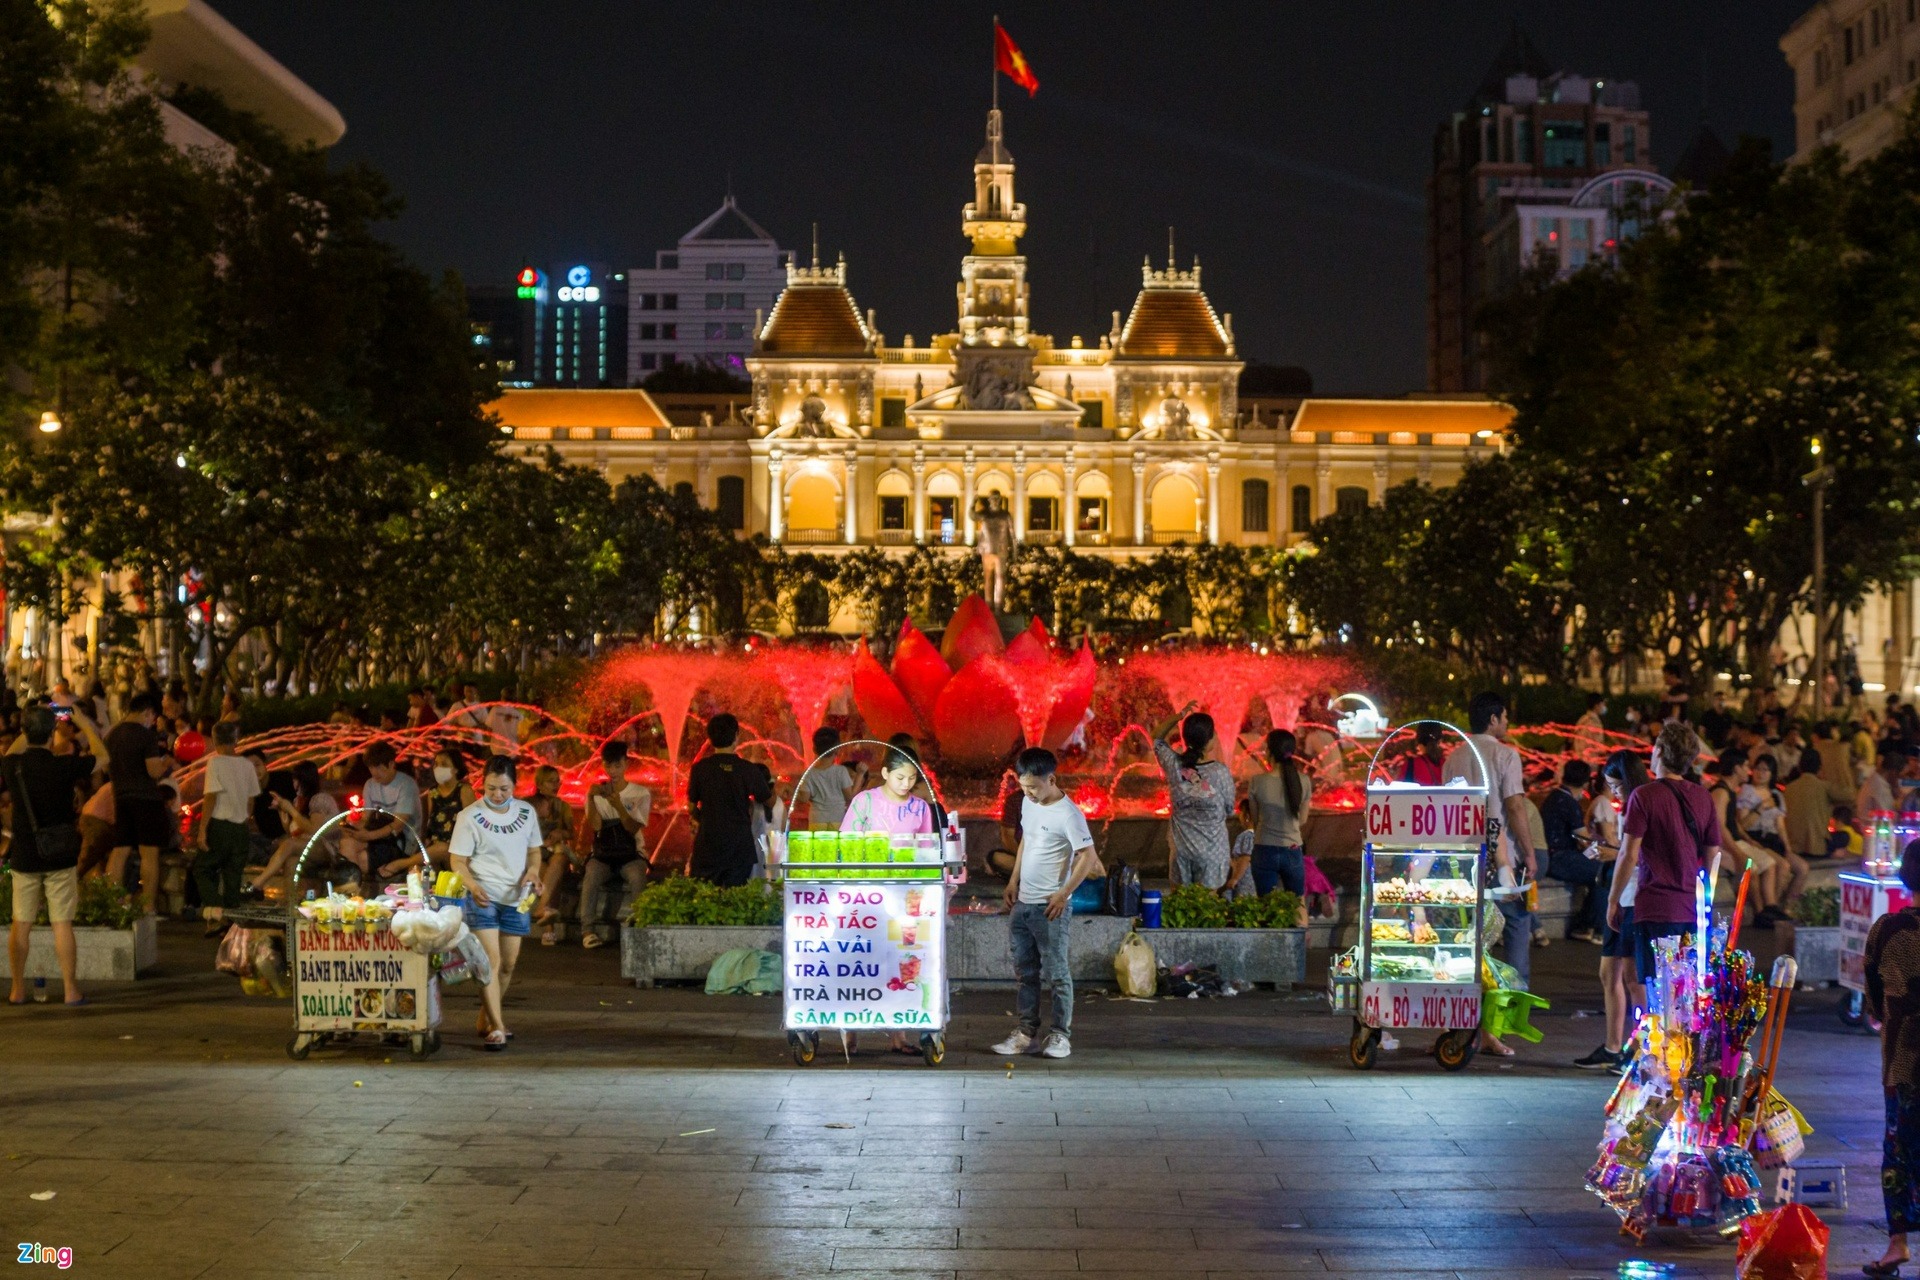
1419, 957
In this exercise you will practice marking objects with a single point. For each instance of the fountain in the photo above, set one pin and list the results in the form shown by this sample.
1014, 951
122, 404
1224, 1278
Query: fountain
671, 677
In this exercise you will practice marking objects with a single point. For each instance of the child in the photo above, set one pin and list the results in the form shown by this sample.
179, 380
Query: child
892, 806
1240, 862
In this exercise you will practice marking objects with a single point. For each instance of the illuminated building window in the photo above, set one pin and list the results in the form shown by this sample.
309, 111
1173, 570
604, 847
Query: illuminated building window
1043, 513
1253, 506
1302, 508
1092, 515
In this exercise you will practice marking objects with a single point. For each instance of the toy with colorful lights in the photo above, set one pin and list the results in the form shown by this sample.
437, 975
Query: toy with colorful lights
1695, 1116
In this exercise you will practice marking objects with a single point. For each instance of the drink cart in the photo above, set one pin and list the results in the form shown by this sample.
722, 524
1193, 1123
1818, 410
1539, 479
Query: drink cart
350, 974
1421, 905
865, 939
1865, 896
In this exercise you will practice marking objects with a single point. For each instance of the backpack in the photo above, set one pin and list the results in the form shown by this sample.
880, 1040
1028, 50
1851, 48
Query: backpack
1123, 892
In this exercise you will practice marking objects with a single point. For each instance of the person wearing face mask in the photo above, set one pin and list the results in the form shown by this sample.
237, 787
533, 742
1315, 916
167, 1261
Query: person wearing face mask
496, 849
442, 804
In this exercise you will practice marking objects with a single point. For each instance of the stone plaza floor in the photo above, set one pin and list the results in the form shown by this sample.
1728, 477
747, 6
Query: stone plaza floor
667, 1134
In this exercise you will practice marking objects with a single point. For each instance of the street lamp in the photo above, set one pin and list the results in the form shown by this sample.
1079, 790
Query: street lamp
1817, 480
50, 423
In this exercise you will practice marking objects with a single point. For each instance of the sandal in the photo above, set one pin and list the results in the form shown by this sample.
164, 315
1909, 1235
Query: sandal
495, 1041
1883, 1269
592, 941
548, 938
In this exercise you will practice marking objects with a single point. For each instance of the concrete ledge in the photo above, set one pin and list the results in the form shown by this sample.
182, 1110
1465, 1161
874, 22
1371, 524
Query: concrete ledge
978, 952
1816, 951
684, 953
105, 955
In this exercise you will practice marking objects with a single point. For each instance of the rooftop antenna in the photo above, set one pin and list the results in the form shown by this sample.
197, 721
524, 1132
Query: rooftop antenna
1169, 248
816, 244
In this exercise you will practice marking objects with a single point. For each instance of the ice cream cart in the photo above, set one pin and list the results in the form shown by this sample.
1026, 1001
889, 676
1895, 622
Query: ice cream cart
865, 939
1421, 905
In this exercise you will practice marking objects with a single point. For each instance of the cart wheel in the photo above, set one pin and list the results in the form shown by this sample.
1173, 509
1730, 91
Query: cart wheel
933, 1047
1455, 1049
803, 1046
433, 1041
1365, 1045
417, 1047
1853, 1008
300, 1046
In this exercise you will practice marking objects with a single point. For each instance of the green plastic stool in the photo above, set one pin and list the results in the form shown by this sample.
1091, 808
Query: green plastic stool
1505, 1013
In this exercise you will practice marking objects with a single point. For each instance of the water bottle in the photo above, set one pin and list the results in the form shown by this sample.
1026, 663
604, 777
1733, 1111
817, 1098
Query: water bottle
1150, 908
39, 990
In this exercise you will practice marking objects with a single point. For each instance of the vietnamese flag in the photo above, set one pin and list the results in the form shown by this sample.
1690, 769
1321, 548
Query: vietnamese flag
1008, 58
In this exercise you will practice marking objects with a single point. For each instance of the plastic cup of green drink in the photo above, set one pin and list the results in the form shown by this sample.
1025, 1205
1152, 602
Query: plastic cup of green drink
879, 846
799, 849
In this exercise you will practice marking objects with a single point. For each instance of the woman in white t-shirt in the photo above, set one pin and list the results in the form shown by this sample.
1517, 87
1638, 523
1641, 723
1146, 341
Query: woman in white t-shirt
496, 851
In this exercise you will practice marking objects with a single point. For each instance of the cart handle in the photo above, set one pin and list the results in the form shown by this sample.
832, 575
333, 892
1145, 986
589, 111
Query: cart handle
799, 784
1486, 778
342, 816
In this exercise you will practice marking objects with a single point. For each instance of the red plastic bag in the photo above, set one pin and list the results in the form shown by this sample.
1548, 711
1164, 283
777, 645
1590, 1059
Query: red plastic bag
1788, 1243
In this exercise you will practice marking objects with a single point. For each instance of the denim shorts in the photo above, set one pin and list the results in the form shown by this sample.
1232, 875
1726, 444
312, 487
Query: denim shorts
504, 916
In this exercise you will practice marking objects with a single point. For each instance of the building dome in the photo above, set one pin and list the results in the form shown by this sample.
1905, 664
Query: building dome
815, 315
1172, 320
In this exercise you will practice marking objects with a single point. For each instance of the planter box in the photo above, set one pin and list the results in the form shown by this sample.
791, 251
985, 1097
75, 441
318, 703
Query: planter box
978, 951
1817, 951
684, 953
105, 955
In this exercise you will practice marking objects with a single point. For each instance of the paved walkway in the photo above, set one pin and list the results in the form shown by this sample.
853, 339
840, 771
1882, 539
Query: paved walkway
663, 1134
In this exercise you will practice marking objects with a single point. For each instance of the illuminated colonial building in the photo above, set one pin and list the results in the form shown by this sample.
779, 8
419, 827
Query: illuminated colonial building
1134, 440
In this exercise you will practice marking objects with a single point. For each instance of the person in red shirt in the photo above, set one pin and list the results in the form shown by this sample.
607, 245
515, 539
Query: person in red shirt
1671, 831
1424, 765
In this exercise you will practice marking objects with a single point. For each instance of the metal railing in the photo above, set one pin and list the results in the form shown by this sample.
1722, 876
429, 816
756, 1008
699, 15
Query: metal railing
811, 537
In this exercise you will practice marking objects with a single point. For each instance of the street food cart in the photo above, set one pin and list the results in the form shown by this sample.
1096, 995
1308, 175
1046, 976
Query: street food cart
865, 939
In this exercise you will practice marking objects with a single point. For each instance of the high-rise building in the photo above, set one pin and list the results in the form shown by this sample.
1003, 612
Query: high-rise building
699, 301
563, 327
1538, 161
1855, 63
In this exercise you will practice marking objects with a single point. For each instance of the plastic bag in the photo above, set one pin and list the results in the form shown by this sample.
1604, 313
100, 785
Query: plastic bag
1134, 966
466, 958
235, 955
1788, 1243
744, 972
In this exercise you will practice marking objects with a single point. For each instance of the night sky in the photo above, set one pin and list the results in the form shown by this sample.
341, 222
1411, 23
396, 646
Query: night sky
1287, 143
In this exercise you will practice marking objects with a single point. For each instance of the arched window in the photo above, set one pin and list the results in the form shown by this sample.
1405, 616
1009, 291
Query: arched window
1174, 508
813, 503
1253, 506
894, 492
1302, 508
1350, 500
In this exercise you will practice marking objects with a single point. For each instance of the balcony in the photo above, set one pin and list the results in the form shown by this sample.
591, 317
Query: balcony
894, 537
811, 537
1167, 537
1044, 537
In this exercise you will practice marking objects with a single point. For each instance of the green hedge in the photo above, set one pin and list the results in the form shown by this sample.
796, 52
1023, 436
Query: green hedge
680, 900
1194, 906
103, 904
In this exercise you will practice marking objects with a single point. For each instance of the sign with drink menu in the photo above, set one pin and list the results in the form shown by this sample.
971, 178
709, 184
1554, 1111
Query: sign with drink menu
869, 956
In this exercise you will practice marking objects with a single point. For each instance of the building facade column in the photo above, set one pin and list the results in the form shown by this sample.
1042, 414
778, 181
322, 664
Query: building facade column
850, 476
776, 498
1070, 503
966, 496
1380, 482
703, 480
660, 468
1139, 500
1213, 498
1019, 495
919, 496
1323, 490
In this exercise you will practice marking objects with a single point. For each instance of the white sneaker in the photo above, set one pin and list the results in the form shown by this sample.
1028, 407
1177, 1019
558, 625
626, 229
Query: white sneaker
1017, 1043
1057, 1046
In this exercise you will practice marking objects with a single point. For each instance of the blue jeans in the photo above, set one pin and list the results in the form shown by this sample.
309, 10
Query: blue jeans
1283, 865
1040, 949
1517, 937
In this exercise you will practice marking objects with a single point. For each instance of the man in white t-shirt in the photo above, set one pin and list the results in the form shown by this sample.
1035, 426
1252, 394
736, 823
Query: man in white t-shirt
1055, 855
1509, 837
226, 804
503, 722
496, 850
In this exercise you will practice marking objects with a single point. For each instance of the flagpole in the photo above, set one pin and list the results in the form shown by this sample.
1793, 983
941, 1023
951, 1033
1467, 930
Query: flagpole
993, 63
